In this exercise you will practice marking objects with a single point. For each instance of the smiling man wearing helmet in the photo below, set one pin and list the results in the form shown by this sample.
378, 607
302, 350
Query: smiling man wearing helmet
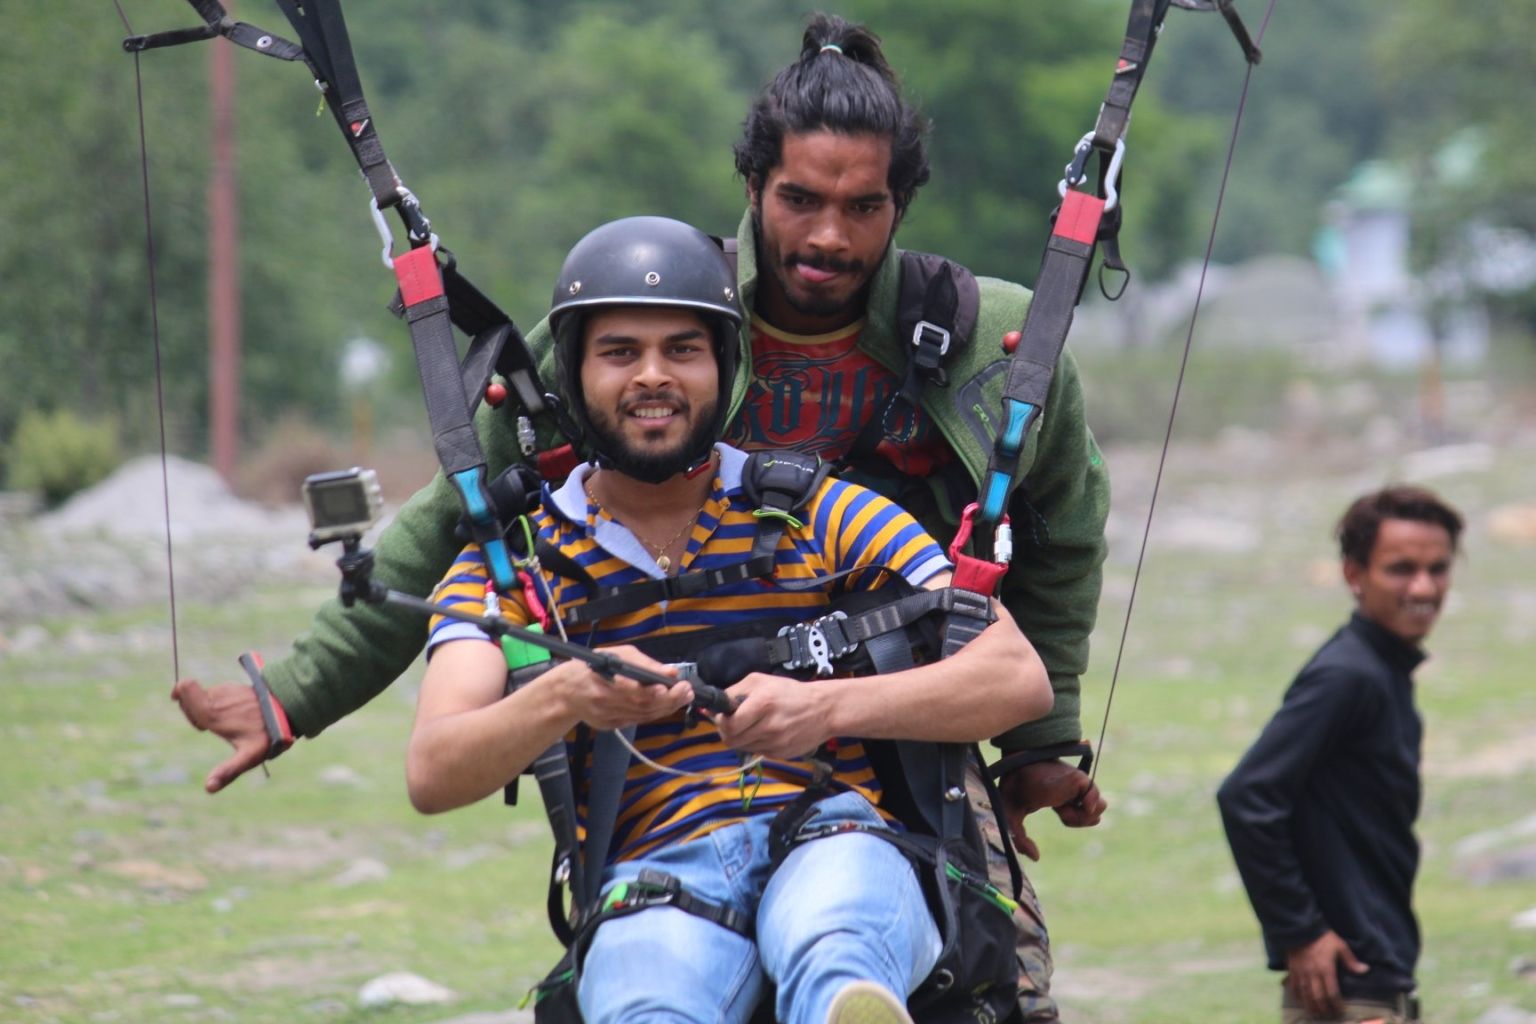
645, 327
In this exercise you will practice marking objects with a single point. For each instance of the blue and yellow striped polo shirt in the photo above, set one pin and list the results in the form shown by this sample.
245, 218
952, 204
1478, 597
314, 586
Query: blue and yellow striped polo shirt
846, 527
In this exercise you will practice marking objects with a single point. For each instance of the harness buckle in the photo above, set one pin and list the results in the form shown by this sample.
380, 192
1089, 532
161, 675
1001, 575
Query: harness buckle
926, 330
817, 643
651, 889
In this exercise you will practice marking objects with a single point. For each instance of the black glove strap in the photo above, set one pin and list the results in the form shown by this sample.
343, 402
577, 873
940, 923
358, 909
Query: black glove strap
279, 733
1021, 758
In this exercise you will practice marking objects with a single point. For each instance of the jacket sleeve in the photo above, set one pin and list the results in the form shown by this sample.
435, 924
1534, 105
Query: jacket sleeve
351, 655
1052, 588
1259, 799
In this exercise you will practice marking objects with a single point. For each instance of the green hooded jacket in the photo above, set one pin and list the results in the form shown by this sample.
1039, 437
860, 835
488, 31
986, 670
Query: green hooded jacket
350, 655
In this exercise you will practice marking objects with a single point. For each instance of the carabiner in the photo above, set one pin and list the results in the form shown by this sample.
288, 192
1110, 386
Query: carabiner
385, 235
979, 575
418, 228
1074, 172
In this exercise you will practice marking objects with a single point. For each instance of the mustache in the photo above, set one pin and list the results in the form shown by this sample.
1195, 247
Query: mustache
824, 262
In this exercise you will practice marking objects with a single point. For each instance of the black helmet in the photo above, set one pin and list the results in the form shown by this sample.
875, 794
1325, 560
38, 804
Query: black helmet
645, 261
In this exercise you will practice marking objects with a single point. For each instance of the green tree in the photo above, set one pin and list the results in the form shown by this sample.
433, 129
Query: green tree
1462, 79
520, 125
1313, 112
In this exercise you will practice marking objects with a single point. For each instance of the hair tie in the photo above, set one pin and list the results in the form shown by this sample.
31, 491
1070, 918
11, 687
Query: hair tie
830, 46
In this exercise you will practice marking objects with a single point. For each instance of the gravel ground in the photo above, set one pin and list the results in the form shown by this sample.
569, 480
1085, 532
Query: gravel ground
106, 547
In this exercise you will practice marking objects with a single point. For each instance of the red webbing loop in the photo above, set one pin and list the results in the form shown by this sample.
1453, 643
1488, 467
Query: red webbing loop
418, 275
557, 463
971, 573
1079, 217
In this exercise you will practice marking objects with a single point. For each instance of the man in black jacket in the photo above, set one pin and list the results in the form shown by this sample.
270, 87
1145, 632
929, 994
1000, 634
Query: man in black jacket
1320, 811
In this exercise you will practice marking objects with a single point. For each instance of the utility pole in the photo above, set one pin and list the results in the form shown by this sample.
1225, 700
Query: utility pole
223, 268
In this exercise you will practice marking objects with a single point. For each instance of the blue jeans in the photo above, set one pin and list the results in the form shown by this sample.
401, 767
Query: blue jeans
838, 909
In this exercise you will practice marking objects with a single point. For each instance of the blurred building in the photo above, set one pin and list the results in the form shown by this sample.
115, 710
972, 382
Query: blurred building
1389, 313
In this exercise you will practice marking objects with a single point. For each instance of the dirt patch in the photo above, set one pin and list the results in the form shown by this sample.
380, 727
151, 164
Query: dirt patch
153, 875
292, 850
1099, 985
309, 972
1503, 759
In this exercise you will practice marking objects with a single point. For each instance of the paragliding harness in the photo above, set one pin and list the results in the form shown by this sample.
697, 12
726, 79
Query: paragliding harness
923, 784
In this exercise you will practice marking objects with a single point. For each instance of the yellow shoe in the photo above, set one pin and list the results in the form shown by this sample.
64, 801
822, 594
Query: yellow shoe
864, 1002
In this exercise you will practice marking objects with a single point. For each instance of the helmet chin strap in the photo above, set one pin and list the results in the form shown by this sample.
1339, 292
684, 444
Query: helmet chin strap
695, 466
647, 471
698, 468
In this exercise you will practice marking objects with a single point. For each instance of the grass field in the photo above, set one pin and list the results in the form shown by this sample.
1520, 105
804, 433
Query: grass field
129, 895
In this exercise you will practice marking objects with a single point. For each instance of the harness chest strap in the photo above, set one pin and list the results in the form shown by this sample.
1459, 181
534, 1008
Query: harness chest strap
827, 639
780, 484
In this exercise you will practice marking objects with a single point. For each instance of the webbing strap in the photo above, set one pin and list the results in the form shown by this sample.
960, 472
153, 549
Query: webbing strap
890, 652
1082, 221
611, 601
323, 31
825, 640
610, 765
1065, 265
217, 22
553, 771
476, 315
931, 338
1063, 271
448, 408
1141, 31
437, 360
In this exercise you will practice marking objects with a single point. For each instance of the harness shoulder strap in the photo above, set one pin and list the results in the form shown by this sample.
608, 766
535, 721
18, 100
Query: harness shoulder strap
937, 306
781, 483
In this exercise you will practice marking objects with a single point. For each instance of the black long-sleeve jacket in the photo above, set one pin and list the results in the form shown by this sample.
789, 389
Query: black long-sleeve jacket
1320, 811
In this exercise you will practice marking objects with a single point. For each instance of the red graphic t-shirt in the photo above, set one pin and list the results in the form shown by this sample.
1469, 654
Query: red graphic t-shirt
812, 393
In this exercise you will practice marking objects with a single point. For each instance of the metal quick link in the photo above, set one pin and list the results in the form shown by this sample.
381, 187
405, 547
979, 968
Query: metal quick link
527, 440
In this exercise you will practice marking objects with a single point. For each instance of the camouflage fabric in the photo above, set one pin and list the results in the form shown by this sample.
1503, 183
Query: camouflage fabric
1034, 943
1404, 1010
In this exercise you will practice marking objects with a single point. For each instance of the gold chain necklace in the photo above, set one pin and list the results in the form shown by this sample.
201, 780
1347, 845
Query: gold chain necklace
662, 561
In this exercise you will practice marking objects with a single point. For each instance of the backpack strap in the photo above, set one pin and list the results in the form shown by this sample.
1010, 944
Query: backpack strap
937, 306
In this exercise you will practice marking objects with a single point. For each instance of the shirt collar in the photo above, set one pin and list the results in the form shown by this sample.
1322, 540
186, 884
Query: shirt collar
569, 501
1399, 653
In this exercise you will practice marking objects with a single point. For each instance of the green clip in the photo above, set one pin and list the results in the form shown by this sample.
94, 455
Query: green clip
773, 513
748, 795
992, 893
520, 653
616, 896
546, 988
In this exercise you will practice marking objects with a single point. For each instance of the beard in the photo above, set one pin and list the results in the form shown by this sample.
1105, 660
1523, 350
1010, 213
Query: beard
652, 467
779, 265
